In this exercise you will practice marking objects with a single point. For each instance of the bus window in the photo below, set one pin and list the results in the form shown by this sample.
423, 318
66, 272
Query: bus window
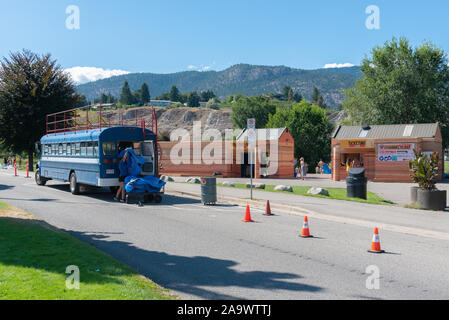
64, 149
77, 149
83, 149
96, 149
45, 149
108, 148
53, 149
60, 149
90, 149
69, 149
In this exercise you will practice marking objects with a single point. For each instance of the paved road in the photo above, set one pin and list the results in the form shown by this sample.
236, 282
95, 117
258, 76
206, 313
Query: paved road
208, 253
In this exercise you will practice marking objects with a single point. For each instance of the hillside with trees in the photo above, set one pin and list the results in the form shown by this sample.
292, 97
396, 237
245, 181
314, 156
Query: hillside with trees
245, 79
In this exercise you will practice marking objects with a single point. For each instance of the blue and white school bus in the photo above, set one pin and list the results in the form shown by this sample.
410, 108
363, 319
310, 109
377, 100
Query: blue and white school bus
90, 157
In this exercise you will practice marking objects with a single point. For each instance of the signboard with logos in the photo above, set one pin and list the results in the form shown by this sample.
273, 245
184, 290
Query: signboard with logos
395, 152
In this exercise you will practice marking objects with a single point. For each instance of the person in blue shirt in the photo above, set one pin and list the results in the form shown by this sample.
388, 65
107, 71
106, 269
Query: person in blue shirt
123, 173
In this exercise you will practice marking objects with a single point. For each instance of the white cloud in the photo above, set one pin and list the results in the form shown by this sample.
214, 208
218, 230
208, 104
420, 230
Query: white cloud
337, 65
200, 68
87, 74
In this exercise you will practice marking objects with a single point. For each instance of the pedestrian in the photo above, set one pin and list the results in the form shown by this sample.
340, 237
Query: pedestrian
5, 161
123, 173
304, 166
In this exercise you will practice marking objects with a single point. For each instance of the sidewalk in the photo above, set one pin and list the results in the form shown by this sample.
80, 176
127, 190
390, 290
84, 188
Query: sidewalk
395, 218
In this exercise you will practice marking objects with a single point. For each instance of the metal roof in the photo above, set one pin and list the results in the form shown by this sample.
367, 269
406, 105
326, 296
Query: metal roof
263, 134
420, 130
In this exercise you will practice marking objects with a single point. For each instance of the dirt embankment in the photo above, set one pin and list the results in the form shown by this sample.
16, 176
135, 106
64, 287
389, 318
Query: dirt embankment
169, 119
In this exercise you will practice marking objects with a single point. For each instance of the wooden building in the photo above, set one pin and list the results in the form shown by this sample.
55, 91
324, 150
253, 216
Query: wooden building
383, 150
274, 158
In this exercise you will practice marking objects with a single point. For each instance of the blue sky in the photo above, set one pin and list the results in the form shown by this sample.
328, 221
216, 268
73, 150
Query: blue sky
170, 36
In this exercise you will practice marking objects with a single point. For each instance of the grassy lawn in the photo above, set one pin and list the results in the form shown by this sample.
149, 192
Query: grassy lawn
446, 166
334, 193
33, 261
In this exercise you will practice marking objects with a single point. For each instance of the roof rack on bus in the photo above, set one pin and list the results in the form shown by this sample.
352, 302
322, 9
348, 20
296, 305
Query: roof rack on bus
99, 116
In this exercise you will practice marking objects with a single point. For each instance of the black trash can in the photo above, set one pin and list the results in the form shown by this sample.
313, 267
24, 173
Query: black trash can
209, 190
356, 183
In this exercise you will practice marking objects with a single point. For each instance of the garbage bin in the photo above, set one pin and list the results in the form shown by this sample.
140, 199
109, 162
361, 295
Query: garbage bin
209, 190
356, 183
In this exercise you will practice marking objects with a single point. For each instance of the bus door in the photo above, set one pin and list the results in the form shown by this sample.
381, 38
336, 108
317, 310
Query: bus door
147, 152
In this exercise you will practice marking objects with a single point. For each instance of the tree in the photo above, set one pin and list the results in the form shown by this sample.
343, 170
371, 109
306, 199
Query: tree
193, 100
31, 86
144, 94
297, 97
310, 128
207, 95
401, 85
287, 93
251, 107
315, 95
126, 97
173, 95
317, 98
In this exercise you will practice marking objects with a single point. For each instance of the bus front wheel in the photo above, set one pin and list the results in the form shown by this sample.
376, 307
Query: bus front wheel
38, 178
74, 186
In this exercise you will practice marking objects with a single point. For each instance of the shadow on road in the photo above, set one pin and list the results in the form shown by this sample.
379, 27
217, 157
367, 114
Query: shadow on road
5, 187
105, 194
191, 275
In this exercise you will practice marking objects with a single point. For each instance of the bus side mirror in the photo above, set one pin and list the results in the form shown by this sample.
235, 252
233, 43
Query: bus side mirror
37, 148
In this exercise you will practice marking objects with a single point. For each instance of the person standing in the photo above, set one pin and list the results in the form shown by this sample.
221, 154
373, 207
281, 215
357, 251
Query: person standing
123, 173
303, 165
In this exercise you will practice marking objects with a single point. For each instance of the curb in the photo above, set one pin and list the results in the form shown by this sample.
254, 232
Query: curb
259, 204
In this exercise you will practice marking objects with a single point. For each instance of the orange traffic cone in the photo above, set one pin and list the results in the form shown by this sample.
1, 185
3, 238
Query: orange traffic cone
247, 215
375, 245
268, 209
305, 229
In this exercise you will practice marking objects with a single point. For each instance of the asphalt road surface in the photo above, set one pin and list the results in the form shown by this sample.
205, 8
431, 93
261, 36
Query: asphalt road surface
207, 252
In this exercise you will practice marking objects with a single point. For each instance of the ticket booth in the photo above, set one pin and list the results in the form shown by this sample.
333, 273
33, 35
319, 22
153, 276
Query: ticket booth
383, 150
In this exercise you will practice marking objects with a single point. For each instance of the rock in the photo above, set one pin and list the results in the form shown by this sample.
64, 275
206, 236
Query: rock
163, 178
193, 180
283, 188
316, 190
228, 184
166, 178
256, 186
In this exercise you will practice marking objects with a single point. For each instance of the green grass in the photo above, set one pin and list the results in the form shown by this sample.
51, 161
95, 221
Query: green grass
33, 261
334, 193
446, 166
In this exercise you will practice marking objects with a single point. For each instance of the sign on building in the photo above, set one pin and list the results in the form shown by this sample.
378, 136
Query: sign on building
395, 152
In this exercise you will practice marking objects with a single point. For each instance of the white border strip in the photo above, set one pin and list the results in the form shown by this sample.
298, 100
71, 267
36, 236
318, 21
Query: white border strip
71, 160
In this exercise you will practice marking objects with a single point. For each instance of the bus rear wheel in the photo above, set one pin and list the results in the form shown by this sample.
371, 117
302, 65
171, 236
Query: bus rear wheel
38, 178
74, 186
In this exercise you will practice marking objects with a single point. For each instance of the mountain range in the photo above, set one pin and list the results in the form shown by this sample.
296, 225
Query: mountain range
239, 79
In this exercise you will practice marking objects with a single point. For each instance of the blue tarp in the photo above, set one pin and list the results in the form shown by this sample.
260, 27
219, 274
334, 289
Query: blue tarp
133, 163
143, 184
326, 169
